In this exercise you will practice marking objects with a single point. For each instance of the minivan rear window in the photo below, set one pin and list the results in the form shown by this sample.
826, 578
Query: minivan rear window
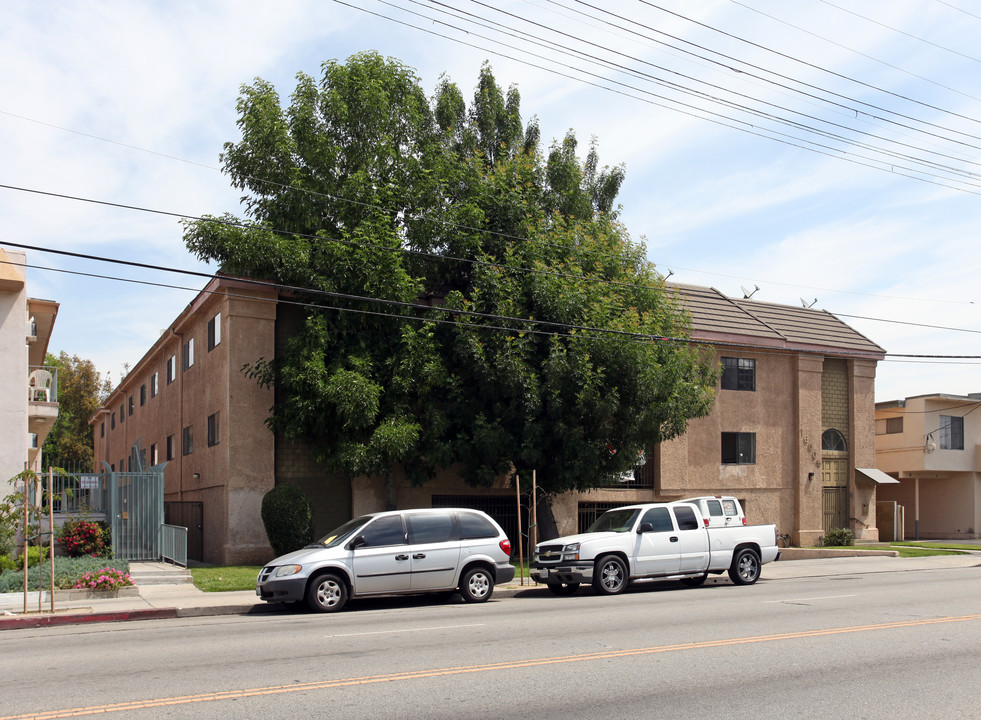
473, 526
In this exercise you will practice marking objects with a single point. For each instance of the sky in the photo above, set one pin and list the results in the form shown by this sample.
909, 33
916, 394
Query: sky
819, 150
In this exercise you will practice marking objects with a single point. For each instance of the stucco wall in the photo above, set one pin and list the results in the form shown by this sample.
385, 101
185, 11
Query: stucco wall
13, 376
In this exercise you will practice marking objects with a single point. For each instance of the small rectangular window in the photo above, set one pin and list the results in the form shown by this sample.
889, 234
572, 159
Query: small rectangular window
170, 447
131, 405
122, 412
171, 369
214, 332
189, 354
738, 448
112, 421
102, 429
213, 436
187, 440
738, 374
142, 394
154, 384
153, 455
951, 432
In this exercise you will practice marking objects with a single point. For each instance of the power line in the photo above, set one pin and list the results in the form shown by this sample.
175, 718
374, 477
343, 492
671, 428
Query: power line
573, 329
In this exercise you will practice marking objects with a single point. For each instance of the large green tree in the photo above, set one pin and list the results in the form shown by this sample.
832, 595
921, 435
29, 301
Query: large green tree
80, 392
541, 354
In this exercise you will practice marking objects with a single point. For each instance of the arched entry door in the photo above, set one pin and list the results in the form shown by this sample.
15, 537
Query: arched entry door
835, 466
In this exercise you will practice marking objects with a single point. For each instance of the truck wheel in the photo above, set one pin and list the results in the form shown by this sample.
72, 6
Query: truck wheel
745, 568
609, 575
694, 581
326, 593
563, 588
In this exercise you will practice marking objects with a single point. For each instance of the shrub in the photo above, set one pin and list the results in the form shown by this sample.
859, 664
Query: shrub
67, 572
35, 553
839, 537
7, 563
287, 517
84, 537
108, 578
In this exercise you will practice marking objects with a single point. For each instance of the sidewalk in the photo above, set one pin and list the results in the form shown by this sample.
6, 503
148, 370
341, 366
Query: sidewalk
152, 602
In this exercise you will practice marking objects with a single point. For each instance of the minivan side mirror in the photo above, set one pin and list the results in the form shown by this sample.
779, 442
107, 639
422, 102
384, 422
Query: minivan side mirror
645, 528
359, 541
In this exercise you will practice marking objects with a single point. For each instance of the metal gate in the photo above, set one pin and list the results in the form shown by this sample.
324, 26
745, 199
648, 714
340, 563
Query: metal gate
835, 501
502, 508
135, 511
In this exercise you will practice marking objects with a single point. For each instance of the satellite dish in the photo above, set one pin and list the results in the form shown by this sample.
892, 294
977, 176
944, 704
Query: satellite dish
747, 294
930, 447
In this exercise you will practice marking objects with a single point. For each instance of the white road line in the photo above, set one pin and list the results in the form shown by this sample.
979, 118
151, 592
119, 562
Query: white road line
825, 597
407, 630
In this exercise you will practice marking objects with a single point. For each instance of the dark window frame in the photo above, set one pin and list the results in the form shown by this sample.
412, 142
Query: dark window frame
951, 432
738, 448
214, 430
738, 374
187, 440
214, 332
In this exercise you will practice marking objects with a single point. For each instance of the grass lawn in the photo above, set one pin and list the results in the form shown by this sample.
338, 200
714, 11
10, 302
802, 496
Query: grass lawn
223, 579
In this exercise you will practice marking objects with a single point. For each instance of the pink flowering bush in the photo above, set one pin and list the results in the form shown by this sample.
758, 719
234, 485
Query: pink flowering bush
105, 579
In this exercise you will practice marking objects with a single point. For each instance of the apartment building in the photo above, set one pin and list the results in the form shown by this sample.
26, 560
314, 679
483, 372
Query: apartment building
791, 432
929, 444
28, 388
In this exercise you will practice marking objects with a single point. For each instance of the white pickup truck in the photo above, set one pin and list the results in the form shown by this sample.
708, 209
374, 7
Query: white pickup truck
654, 541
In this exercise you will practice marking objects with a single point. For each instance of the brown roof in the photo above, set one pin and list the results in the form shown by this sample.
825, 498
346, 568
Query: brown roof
724, 320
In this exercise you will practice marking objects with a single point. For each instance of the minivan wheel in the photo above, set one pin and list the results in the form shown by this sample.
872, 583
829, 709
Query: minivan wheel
476, 585
326, 593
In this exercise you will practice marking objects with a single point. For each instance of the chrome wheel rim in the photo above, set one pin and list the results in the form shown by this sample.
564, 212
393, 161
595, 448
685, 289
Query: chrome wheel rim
479, 584
328, 593
612, 577
748, 567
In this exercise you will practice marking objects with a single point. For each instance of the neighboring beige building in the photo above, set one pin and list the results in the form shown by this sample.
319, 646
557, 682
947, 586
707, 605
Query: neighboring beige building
791, 423
930, 444
28, 389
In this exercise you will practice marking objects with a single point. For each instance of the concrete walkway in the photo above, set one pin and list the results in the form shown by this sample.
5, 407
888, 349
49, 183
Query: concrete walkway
173, 601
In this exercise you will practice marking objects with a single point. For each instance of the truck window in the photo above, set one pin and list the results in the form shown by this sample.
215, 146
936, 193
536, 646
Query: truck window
614, 521
660, 518
686, 518
730, 507
714, 508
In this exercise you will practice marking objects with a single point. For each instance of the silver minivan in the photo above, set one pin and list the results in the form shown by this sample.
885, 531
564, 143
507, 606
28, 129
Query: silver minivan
394, 553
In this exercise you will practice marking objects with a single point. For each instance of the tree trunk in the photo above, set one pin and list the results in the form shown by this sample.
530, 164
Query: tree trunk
390, 495
547, 530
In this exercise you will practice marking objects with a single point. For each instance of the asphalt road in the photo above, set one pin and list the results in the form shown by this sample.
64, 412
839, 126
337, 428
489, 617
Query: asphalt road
886, 645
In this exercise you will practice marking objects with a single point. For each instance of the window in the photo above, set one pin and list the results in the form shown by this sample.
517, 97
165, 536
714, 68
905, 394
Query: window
474, 526
102, 429
131, 405
714, 508
214, 332
122, 411
112, 421
171, 369
660, 518
384, 531
153, 455
686, 518
833, 440
189, 354
154, 384
894, 425
430, 528
951, 432
142, 394
170, 447
213, 436
738, 374
187, 440
738, 448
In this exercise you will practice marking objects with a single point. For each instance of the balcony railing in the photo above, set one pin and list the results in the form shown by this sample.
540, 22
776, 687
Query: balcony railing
42, 383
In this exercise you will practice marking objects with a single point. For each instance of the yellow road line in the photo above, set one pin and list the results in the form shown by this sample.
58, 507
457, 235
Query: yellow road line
442, 672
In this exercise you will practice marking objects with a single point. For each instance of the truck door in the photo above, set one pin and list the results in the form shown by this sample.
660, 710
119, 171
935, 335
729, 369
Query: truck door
693, 542
657, 550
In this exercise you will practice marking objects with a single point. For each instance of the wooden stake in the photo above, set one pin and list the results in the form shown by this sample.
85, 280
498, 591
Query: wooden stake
25, 536
521, 555
534, 509
51, 537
